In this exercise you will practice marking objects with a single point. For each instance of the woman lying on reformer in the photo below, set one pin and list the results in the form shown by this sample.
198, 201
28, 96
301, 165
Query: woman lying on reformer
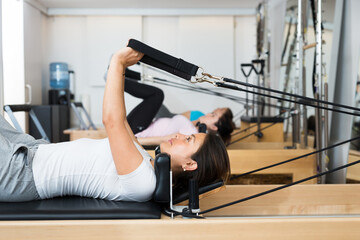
114, 168
153, 123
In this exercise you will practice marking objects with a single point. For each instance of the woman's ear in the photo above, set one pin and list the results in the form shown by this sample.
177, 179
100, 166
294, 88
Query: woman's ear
190, 165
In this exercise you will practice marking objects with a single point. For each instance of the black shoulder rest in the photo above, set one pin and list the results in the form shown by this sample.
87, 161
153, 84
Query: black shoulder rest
162, 191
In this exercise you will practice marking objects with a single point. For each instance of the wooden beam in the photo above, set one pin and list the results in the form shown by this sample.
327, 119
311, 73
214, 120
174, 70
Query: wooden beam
327, 212
320, 228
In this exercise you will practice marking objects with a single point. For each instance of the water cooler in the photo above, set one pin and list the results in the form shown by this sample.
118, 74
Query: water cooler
55, 117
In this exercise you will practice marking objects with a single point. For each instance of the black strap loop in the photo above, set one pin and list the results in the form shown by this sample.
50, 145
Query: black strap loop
246, 65
164, 61
262, 64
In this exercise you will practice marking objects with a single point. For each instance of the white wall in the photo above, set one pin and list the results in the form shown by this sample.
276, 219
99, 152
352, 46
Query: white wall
13, 55
33, 47
219, 44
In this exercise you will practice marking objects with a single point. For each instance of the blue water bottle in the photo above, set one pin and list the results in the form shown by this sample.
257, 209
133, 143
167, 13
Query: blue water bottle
59, 75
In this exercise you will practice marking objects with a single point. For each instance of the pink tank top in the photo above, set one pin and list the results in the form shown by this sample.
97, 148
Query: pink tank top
167, 126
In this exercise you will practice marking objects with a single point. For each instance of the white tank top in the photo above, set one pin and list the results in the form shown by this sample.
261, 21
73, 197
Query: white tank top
85, 167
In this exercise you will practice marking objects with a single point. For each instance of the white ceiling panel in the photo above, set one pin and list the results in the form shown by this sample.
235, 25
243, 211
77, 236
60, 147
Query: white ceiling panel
148, 3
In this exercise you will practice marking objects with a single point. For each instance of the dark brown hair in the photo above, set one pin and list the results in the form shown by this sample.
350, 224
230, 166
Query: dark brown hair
213, 164
225, 125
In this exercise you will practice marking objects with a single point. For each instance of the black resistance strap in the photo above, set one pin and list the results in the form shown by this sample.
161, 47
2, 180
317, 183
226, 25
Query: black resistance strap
299, 99
186, 70
164, 61
207, 91
312, 102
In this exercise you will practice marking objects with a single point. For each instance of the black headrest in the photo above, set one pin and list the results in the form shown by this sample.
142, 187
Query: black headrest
162, 171
162, 168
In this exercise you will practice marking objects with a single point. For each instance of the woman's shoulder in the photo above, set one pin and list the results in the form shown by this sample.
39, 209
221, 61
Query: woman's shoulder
194, 115
140, 184
180, 118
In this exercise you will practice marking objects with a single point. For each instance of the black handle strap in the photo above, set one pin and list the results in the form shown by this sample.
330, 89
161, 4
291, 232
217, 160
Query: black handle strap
258, 62
246, 65
164, 61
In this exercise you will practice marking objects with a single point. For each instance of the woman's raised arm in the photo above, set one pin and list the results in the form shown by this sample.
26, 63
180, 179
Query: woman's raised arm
125, 154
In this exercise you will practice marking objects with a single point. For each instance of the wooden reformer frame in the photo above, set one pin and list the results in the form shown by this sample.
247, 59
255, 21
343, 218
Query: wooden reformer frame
299, 212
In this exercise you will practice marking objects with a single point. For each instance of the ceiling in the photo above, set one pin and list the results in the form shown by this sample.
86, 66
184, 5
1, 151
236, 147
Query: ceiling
148, 3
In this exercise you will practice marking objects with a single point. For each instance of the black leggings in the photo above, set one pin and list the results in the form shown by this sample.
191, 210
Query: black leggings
142, 115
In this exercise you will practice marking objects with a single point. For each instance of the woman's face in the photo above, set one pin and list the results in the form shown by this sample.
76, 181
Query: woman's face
212, 118
181, 147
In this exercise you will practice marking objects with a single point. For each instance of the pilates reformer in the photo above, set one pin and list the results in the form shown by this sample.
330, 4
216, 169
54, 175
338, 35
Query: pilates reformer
80, 208
118, 227
72, 207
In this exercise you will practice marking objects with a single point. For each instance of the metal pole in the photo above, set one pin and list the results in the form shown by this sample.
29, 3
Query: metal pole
299, 65
320, 83
306, 7
259, 108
